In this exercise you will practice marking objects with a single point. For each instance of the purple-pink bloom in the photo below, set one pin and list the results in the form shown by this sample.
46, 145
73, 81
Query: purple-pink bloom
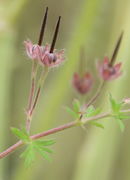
82, 84
51, 59
107, 71
43, 55
34, 51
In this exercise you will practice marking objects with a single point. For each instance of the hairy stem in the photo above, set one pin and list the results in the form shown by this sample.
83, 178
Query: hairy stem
34, 103
40, 84
57, 129
52, 131
31, 94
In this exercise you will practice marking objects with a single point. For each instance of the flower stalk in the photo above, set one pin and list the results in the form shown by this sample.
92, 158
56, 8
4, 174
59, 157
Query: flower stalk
33, 105
97, 94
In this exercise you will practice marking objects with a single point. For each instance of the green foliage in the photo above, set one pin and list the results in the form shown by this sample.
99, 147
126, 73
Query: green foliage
117, 113
76, 105
71, 112
116, 107
45, 143
21, 134
91, 111
39, 146
97, 124
121, 124
75, 112
28, 155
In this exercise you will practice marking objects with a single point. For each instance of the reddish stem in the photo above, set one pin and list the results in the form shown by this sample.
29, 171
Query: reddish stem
97, 94
37, 136
55, 130
35, 101
31, 94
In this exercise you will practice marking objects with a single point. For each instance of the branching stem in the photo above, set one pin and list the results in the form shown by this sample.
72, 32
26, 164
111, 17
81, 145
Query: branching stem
31, 94
55, 130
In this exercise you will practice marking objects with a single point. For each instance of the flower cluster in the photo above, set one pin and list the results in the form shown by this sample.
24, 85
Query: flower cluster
45, 55
108, 72
42, 54
107, 69
48, 56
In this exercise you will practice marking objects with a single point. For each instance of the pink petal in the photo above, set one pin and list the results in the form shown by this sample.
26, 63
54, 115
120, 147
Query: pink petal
118, 66
106, 60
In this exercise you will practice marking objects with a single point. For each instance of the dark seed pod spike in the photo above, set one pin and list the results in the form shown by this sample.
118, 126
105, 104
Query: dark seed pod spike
116, 50
43, 28
55, 35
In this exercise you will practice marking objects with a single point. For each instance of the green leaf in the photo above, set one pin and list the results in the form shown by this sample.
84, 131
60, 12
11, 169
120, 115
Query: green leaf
91, 111
76, 105
21, 134
44, 142
116, 107
97, 124
42, 152
47, 150
73, 113
28, 155
122, 116
121, 124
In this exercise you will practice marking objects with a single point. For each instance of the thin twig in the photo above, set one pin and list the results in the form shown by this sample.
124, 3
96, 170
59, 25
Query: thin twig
31, 94
97, 94
32, 87
34, 103
40, 84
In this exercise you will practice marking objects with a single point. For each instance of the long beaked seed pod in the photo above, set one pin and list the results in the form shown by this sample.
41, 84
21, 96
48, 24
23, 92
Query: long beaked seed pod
43, 28
112, 61
55, 35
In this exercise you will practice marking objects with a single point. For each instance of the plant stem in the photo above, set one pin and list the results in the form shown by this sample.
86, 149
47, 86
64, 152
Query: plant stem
32, 88
55, 130
31, 94
52, 131
97, 94
40, 84
33, 105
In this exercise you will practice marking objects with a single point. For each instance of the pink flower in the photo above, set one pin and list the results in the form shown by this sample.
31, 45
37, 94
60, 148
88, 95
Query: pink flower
33, 51
82, 84
51, 59
108, 72
46, 55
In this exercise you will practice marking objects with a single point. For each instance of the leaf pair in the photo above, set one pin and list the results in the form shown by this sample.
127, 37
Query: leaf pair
116, 112
90, 112
21, 134
33, 146
39, 146
75, 112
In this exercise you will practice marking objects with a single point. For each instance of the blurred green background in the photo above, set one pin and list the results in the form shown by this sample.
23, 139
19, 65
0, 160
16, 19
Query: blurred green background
78, 155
